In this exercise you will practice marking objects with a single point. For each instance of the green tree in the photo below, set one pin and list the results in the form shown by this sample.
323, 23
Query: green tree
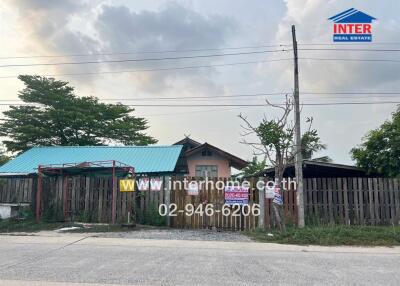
3, 158
254, 167
311, 143
275, 141
54, 115
379, 151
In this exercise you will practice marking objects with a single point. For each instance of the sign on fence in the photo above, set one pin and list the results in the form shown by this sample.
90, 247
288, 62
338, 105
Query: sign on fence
269, 193
127, 185
278, 197
156, 184
143, 184
193, 189
236, 195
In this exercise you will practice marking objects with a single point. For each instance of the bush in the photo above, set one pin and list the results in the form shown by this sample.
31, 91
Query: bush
151, 216
52, 214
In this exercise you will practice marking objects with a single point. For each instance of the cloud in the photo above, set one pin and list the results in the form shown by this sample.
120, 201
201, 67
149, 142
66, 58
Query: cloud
310, 18
44, 25
49, 27
312, 26
173, 28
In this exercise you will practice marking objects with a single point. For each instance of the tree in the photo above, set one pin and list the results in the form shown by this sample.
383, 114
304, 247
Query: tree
54, 115
254, 167
275, 141
3, 158
379, 151
311, 143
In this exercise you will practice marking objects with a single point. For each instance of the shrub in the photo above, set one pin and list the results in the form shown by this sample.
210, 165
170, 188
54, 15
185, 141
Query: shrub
151, 216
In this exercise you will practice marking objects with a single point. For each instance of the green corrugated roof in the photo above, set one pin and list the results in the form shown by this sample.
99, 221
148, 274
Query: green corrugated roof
145, 159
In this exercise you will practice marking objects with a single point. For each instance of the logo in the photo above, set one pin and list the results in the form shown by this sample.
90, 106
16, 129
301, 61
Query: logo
352, 26
127, 185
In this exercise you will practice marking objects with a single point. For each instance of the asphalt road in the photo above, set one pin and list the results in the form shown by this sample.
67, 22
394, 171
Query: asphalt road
38, 260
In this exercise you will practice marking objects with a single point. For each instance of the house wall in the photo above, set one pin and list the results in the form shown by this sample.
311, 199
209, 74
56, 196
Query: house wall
224, 170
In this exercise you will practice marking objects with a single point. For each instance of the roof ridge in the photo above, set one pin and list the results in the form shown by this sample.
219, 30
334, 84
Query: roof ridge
109, 146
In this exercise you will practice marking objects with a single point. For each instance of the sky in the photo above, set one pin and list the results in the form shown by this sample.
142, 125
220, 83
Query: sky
72, 30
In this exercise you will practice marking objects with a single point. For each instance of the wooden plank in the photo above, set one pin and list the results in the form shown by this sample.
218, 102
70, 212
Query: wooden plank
339, 183
381, 200
124, 214
330, 201
346, 202
87, 195
392, 202
371, 201
30, 188
396, 186
355, 200
313, 200
376, 201
386, 200
335, 200
360, 200
73, 194
100, 199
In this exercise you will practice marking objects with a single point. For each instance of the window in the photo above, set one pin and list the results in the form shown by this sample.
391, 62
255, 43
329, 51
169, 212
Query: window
210, 171
206, 153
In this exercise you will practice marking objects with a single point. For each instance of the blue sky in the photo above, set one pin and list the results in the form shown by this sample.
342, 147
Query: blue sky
74, 27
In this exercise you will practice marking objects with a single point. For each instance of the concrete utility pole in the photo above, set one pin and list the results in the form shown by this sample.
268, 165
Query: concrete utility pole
261, 201
299, 157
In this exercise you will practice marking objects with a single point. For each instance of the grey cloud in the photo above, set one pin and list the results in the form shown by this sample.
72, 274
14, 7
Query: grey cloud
172, 28
46, 26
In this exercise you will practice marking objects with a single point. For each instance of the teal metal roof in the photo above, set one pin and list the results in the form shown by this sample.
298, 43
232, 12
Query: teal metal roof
145, 159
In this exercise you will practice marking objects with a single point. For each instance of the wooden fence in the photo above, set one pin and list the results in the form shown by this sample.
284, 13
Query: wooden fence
17, 189
232, 218
355, 201
352, 201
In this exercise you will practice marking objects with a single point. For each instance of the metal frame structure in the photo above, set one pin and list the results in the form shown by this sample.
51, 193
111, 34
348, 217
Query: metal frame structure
81, 168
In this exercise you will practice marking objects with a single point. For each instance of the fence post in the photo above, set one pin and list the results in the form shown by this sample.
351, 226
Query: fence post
167, 196
261, 202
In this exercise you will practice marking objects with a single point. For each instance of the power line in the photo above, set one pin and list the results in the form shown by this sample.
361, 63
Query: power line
348, 44
352, 49
157, 69
241, 105
209, 66
351, 60
384, 94
144, 59
248, 105
266, 45
142, 52
196, 111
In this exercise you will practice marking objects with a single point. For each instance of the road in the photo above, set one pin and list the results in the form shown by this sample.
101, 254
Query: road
62, 260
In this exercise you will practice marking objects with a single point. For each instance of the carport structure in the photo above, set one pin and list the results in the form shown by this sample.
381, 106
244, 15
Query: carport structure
109, 167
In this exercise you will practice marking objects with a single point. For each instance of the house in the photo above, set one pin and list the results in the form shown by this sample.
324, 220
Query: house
318, 169
206, 160
185, 157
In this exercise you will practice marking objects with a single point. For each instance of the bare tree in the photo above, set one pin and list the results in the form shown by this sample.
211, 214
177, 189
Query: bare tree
275, 138
275, 141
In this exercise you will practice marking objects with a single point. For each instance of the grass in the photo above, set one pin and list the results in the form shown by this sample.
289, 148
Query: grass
100, 228
332, 235
28, 225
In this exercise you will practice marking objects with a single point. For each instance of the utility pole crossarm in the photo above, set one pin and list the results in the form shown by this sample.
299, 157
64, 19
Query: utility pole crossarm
297, 131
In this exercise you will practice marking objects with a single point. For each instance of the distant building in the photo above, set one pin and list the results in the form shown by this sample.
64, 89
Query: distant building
206, 160
146, 160
186, 157
317, 169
